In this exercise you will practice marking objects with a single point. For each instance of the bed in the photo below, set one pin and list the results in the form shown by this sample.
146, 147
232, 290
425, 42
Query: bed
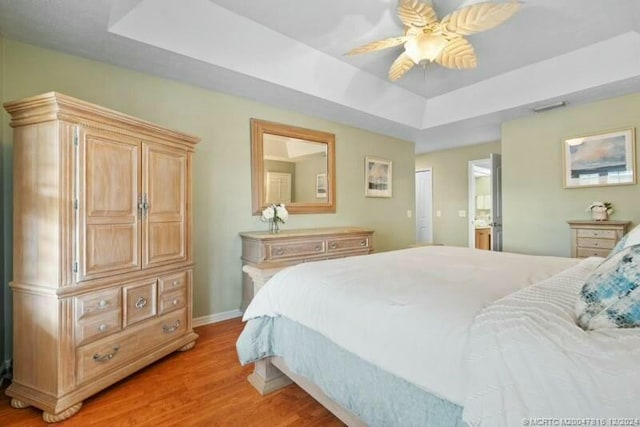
438, 336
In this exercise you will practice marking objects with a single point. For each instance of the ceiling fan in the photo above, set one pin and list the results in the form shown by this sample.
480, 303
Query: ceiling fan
427, 40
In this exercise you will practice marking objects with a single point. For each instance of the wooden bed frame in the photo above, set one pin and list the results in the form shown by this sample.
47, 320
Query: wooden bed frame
272, 373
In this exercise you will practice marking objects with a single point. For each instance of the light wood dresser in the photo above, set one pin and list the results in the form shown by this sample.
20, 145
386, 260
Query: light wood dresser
264, 253
102, 252
595, 238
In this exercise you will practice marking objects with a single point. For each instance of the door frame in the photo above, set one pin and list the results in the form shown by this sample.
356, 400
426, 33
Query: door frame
430, 235
471, 212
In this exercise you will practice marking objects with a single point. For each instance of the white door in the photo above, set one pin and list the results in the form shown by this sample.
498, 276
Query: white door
496, 202
278, 187
424, 206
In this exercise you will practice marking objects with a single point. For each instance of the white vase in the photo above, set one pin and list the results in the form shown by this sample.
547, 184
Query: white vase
599, 216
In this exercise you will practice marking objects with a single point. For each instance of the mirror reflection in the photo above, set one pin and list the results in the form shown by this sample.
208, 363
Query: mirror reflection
292, 165
295, 170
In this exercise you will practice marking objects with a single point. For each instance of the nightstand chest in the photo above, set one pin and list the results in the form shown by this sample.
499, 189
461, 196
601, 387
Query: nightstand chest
264, 253
595, 238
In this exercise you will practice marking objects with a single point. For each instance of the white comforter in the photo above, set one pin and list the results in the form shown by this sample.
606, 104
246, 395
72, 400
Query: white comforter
528, 359
408, 312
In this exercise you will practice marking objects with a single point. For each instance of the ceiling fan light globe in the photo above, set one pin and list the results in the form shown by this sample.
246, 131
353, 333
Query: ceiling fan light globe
425, 47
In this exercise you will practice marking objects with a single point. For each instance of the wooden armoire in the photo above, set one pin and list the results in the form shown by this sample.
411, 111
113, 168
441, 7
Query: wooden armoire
102, 249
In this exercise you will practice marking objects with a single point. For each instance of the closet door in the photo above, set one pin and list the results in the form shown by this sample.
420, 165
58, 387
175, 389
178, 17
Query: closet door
108, 176
165, 193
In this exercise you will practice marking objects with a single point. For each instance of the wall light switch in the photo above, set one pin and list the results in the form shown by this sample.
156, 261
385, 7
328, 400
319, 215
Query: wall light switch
438, 213
409, 213
462, 214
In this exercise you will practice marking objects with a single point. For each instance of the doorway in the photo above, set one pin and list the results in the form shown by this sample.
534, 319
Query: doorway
485, 203
424, 206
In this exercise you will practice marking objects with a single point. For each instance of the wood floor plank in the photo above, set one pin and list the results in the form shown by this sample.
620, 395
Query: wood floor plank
205, 386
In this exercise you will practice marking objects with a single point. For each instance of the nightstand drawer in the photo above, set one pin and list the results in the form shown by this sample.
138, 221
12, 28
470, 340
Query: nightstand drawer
596, 243
334, 245
587, 252
296, 249
599, 234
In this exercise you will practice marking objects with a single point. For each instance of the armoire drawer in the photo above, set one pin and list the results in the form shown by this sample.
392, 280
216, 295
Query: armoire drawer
96, 303
174, 300
172, 282
587, 252
94, 327
139, 302
597, 234
102, 356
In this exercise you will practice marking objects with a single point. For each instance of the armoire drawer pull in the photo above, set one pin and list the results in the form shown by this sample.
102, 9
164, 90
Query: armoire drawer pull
363, 243
170, 329
106, 357
141, 302
175, 301
318, 248
103, 303
103, 327
333, 245
279, 251
174, 283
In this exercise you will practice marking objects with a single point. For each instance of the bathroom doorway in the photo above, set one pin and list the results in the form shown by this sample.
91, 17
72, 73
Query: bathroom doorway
485, 203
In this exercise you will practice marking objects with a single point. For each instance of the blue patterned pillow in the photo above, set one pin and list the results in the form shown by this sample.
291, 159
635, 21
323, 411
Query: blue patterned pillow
610, 297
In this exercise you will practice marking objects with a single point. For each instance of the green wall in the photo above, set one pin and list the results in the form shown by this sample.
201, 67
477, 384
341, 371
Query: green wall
450, 173
4, 292
306, 172
536, 205
222, 175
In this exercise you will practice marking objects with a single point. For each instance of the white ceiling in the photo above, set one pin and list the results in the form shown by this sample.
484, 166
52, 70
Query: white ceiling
290, 53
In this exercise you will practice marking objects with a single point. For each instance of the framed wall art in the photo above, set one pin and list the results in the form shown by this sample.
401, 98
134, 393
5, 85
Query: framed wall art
378, 178
602, 159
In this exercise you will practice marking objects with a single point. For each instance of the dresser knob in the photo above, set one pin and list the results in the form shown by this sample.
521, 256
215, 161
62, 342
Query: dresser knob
103, 303
175, 302
318, 248
175, 283
333, 245
363, 242
141, 302
279, 251
102, 327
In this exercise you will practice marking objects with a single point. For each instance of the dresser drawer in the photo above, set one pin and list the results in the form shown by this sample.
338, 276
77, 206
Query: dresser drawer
596, 243
599, 234
102, 356
296, 249
98, 326
170, 301
587, 252
350, 243
172, 282
139, 302
97, 302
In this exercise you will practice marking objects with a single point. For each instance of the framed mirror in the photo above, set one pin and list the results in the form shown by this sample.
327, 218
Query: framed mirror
294, 166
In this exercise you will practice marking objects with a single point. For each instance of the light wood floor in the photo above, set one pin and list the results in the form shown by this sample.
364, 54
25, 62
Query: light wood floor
205, 386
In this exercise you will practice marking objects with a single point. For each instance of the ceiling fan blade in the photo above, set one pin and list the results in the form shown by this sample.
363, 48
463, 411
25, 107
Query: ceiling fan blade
479, 17
401, 65
378, 45
458, 54
414, 13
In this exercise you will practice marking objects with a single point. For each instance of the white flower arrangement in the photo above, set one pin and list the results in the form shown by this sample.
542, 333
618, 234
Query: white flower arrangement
276, 213
600, 207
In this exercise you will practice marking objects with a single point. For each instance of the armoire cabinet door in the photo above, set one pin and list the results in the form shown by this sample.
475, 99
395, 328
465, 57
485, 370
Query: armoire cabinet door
109, 184
165, 187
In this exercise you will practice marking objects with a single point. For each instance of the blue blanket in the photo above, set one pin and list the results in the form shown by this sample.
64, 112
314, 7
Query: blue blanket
377, 397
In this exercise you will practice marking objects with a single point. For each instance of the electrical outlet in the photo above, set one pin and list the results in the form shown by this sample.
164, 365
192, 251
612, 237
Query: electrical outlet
438, 213
462, 214
409, 213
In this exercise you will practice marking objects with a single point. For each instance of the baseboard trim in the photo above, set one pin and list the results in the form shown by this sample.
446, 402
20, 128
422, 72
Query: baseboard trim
215, 318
